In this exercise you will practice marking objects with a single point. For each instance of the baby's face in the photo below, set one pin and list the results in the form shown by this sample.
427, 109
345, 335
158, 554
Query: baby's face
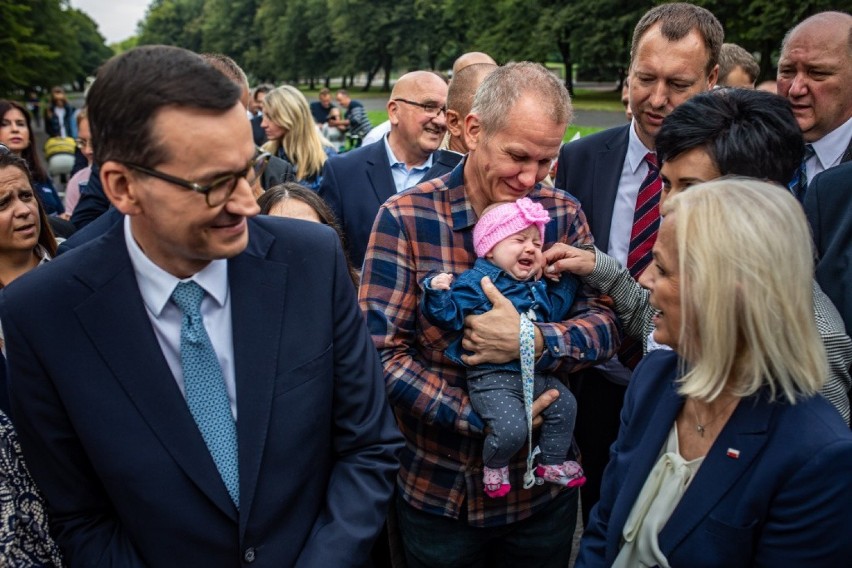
519, 254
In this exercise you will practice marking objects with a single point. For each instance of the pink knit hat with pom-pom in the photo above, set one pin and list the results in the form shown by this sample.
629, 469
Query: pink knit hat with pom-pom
505, 220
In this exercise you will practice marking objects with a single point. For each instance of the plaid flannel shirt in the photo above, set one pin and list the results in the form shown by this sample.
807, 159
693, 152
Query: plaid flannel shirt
429, 229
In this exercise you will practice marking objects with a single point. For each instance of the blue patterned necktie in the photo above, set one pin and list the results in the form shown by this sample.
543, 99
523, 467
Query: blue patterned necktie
799, 184
204, 384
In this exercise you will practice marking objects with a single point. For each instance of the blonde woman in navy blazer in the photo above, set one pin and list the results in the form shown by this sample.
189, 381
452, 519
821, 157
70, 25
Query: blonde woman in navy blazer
731, 279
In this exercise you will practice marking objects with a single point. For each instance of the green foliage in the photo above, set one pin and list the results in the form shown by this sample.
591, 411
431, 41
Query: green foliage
45, 43
20, 52
173, 22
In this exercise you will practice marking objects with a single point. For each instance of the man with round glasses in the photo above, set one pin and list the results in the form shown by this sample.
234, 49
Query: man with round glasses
356, 183
203, 391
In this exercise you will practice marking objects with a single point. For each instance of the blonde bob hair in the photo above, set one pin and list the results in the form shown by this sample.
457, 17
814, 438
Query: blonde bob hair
746, 276
287, 107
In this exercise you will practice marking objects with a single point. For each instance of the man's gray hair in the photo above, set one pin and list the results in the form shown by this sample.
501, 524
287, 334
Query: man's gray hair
504, 86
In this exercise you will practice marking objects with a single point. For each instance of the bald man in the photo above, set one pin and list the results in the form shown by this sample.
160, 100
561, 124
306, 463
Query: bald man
459, 101
471, 58
814, 74
356, 183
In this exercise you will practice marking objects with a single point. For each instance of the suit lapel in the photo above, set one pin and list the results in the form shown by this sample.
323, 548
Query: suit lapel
257, 288
138, 363
847, 155
607, 174
379, 173
746, 433
645, 455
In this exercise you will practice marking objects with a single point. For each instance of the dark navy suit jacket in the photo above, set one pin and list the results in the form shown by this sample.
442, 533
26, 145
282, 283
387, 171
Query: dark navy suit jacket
784, 500
355, 184
828, 204
590, 169
110, 441
443, 162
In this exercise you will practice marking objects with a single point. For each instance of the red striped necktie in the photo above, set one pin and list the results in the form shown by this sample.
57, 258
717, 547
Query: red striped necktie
646, 222
646, 219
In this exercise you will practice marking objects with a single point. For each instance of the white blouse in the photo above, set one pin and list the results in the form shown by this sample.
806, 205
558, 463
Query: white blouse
658, 498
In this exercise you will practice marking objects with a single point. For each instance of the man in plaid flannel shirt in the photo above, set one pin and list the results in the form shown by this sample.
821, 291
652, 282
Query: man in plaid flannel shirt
514, 131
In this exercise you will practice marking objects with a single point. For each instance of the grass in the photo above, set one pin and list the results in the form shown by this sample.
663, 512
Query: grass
585, 99
379, 116
597, 100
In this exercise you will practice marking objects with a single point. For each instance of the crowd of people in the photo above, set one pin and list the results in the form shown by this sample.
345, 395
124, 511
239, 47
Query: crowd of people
236, 343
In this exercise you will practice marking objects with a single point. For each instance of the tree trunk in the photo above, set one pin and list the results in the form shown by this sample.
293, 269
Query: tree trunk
327, 82
565, 51
767, 70
371, 74
387, 68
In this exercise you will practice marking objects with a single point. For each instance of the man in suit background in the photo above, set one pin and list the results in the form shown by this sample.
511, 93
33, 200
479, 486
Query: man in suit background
673, 55
459, 100
356, 183
814, 74
205, 392
829, 210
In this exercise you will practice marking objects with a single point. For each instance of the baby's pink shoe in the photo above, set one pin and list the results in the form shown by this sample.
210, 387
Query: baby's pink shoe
569, 474
496, 481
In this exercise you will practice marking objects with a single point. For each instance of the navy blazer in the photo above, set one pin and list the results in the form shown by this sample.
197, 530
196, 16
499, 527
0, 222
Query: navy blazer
829, 210
590, 169
355, 184
110, 441
784, 500
443, 162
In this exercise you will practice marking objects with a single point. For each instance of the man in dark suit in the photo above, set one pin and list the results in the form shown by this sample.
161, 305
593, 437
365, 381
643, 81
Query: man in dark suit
356, 183
829, 210
814, 74
206, 393
674, 55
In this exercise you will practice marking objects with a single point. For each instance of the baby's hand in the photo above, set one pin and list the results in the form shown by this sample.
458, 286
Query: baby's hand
441, 282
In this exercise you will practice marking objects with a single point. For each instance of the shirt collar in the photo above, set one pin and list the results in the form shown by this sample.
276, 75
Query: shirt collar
636, 149
394, 163
831, 147
156, 285
42, 254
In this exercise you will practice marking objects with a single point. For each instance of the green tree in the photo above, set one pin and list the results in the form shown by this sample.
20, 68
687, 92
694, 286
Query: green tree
51, 27
227, 26
92, 45
172, 22
20, 51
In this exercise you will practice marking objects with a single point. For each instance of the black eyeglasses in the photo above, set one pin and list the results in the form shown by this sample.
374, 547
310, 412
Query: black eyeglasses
432, 110
220, 189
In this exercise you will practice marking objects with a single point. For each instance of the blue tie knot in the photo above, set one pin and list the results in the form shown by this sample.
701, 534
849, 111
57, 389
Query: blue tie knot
188, 296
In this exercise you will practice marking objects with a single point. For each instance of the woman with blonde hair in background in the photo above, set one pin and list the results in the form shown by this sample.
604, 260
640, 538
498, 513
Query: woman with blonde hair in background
293, 135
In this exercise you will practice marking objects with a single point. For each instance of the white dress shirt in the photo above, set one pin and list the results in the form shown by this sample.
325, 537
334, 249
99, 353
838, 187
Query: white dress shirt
156, 287
829, 149
633, 173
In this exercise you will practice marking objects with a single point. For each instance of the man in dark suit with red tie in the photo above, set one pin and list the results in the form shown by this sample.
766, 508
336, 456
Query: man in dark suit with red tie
615, 176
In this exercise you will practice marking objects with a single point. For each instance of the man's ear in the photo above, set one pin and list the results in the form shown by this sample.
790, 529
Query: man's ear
472, 131
713, 78
120, 187
455, 124
393, 112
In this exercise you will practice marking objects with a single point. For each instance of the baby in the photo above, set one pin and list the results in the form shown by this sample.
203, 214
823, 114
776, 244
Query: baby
508, 243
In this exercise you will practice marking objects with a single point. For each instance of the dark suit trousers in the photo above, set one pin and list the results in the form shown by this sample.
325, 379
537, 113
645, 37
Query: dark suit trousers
599, 403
